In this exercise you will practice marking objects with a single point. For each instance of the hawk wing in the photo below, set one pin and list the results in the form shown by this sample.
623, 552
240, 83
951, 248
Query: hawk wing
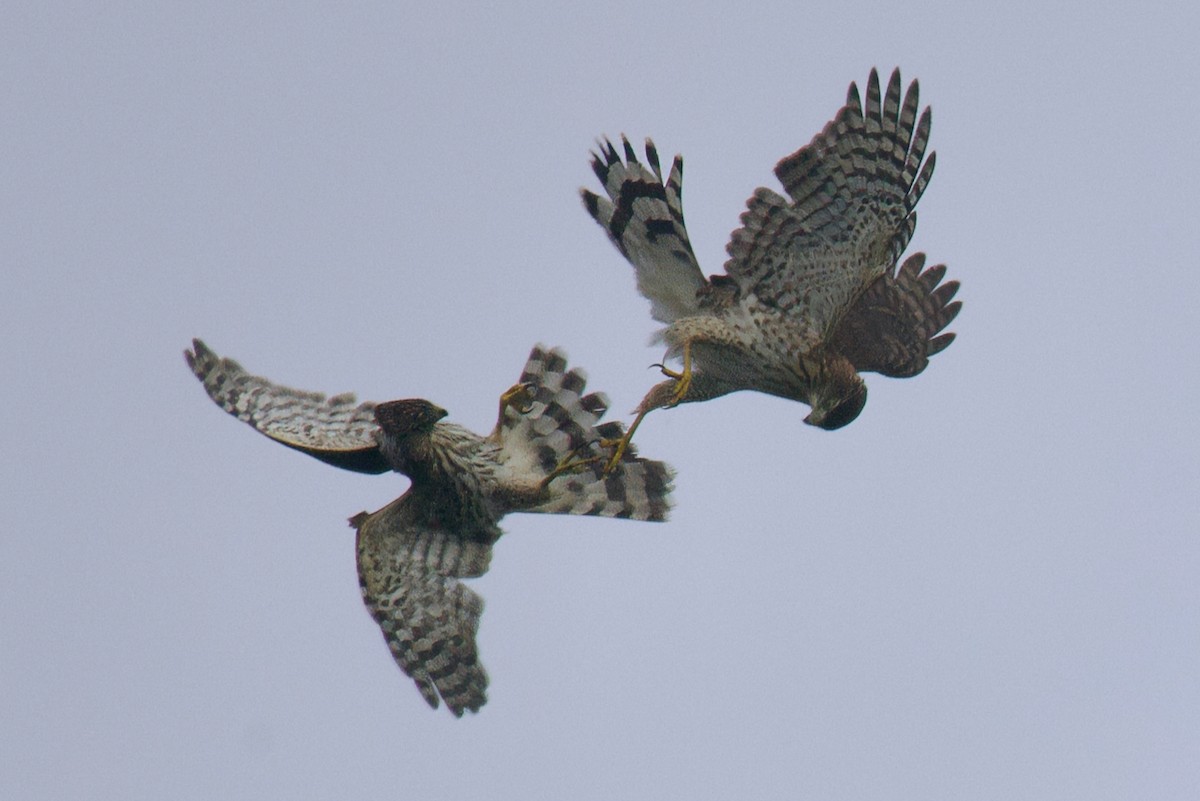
643, 216
562, 424
408, 571
893, 327
853, 190
335, 430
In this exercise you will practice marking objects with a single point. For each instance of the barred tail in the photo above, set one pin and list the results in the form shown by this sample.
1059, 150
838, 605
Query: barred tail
563, 426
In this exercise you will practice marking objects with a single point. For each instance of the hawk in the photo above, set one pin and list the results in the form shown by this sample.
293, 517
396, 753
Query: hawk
811, 295
544, 455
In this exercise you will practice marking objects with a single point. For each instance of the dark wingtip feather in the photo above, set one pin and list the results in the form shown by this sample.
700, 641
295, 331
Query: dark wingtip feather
911, 268
591, 202
933, 276
652, 158
600, 168
630, 155
945, 292
198, 353
874, 98
951, 311
939, 343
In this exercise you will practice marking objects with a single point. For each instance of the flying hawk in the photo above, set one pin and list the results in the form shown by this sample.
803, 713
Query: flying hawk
811, 296
544, 455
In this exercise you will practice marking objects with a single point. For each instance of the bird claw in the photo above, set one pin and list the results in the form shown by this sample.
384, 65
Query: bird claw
519, 397
683, 378
667, 371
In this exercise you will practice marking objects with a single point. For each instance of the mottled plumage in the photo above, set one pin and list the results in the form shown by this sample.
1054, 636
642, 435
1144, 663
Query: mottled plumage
412, 553
811, 295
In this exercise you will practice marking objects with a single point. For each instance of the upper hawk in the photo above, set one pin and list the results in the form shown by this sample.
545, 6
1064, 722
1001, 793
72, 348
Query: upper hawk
811, 295
542, 456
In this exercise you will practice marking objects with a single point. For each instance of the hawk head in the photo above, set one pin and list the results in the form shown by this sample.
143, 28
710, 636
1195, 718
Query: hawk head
840, 413
402, 417
838, 399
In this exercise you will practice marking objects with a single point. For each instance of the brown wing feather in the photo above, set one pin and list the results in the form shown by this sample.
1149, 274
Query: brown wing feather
894, 325
408, 570
852, 192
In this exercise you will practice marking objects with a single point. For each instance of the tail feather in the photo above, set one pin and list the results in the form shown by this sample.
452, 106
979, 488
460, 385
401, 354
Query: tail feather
564, 426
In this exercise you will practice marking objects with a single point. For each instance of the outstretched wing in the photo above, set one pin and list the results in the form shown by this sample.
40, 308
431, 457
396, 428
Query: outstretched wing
562, 425
408, 570
893, 327
643, 216
852, 193
335, 430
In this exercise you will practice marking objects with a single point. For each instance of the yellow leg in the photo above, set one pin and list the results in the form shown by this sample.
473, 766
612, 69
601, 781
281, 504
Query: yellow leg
623, 443
683, 381
570, 464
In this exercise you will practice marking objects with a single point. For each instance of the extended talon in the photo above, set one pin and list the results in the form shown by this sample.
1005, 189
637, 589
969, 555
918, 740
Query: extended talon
683, 379
519, 397
667, 371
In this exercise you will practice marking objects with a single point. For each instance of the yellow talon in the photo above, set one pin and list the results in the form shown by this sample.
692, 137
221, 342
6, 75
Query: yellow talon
683, 380
667, 371
519, 397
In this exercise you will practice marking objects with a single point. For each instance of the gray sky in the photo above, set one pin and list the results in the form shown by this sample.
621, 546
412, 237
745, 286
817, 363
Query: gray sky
985, 588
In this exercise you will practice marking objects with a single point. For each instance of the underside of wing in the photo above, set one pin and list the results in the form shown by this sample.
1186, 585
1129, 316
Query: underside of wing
643, 216
409, 571
849, 213
335, 430
894, 327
